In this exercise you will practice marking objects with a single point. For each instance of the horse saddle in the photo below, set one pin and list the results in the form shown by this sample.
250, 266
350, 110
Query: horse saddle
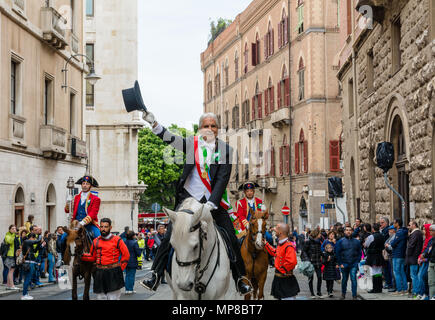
227, 241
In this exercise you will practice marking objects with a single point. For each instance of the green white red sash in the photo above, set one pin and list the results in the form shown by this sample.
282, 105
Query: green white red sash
225, 202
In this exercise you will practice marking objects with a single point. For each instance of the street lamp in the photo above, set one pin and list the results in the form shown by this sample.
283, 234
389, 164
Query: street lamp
70, 187
92, 77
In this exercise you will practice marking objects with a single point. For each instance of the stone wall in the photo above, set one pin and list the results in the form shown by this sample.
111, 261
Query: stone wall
409, 93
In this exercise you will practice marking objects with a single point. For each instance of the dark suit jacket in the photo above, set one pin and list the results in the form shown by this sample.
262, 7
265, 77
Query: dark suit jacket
220, 172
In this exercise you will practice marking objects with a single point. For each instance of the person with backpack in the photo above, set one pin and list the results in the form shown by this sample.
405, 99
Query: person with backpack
29, 250
13, 244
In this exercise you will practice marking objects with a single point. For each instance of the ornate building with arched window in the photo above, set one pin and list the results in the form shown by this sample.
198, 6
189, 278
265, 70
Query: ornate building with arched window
289, 102
388, 91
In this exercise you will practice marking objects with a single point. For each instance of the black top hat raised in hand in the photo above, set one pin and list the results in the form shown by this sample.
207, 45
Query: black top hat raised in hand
133, 99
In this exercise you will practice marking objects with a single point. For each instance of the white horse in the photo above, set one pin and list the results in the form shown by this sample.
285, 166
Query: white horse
200, 264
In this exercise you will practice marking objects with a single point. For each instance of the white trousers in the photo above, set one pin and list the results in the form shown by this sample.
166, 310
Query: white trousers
114, 295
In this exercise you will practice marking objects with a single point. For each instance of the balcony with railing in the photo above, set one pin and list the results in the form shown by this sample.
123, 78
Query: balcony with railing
53, 142
280, 117
53, 28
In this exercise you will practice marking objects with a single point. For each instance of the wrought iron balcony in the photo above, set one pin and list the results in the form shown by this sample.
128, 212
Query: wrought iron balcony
53, 28
53, 142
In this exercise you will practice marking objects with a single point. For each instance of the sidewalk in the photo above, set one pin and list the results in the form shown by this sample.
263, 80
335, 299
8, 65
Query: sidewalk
382, 296
5, 293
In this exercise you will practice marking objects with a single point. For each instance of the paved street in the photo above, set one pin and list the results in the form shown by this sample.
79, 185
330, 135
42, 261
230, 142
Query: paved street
53, 292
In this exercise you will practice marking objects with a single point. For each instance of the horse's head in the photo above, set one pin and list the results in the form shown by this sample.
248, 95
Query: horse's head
189, 233
257, 228
76, 242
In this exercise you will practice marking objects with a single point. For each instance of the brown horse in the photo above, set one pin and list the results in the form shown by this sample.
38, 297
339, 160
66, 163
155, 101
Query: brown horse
255, 257
78, 243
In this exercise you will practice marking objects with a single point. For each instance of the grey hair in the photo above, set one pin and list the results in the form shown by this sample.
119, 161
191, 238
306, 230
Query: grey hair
207, 116
386, 219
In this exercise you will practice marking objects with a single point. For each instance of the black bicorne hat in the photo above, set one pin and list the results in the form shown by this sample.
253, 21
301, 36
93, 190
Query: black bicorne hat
133, 99
249, 185
89, 179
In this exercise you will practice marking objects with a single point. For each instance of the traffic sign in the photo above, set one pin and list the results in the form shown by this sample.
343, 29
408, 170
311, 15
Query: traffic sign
285, 211
322, 208
156, 207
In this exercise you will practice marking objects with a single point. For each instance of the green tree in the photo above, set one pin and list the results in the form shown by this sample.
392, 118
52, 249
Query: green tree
217, 27
159, 167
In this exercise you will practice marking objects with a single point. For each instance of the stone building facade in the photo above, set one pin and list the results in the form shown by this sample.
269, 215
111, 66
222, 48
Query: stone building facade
111, 132
270, 78
41, 121
387, 73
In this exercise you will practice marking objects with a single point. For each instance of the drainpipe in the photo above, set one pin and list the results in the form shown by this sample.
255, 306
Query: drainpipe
290, 112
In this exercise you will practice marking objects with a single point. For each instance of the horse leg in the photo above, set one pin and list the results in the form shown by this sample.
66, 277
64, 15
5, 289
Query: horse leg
87, 285
74, 284
262, 280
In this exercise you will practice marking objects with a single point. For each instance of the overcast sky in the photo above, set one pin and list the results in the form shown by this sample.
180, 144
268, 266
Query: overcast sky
172, 35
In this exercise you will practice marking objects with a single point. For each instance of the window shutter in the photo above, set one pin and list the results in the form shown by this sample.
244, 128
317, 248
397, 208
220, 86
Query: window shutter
279, 95
253, 109
272, 100
297, 165
287, 92
334, 156
272, 162
254, 54
279, 35
281, 163
248, 116
285, 30
287, 159
272, 44
266, 55
266, 102
305, 156
260, 106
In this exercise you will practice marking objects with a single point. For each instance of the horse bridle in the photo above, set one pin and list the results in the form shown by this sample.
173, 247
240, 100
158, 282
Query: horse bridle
200, 287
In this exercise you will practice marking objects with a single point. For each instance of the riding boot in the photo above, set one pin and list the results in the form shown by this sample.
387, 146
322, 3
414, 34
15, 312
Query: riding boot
160, 262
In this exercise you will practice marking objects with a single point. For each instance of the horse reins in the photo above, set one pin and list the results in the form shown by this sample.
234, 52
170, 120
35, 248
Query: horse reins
201, 288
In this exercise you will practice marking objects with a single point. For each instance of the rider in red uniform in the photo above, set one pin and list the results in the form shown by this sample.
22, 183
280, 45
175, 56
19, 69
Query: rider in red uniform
249, 205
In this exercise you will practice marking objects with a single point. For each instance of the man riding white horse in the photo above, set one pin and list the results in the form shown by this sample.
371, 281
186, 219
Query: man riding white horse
213, 167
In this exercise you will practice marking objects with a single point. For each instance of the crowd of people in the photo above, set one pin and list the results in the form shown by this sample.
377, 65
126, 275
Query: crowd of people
29, 255
397, 258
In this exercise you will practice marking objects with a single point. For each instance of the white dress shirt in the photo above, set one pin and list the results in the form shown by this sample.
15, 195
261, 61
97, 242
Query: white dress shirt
194, 184
83, 197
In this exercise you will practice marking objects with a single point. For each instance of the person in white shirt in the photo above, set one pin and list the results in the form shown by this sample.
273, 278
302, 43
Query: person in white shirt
206, 181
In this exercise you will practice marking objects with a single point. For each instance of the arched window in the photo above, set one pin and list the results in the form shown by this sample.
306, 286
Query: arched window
284, 89
269, 42
209, 88
245, 70
236, 65
235, 115
301, 154
256, 51
19, 202
217, 82
227, 80
283, 30
50, 212
284, 158
399, 174
301, 76
257, 112
245, 110
269, 99
271, 159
